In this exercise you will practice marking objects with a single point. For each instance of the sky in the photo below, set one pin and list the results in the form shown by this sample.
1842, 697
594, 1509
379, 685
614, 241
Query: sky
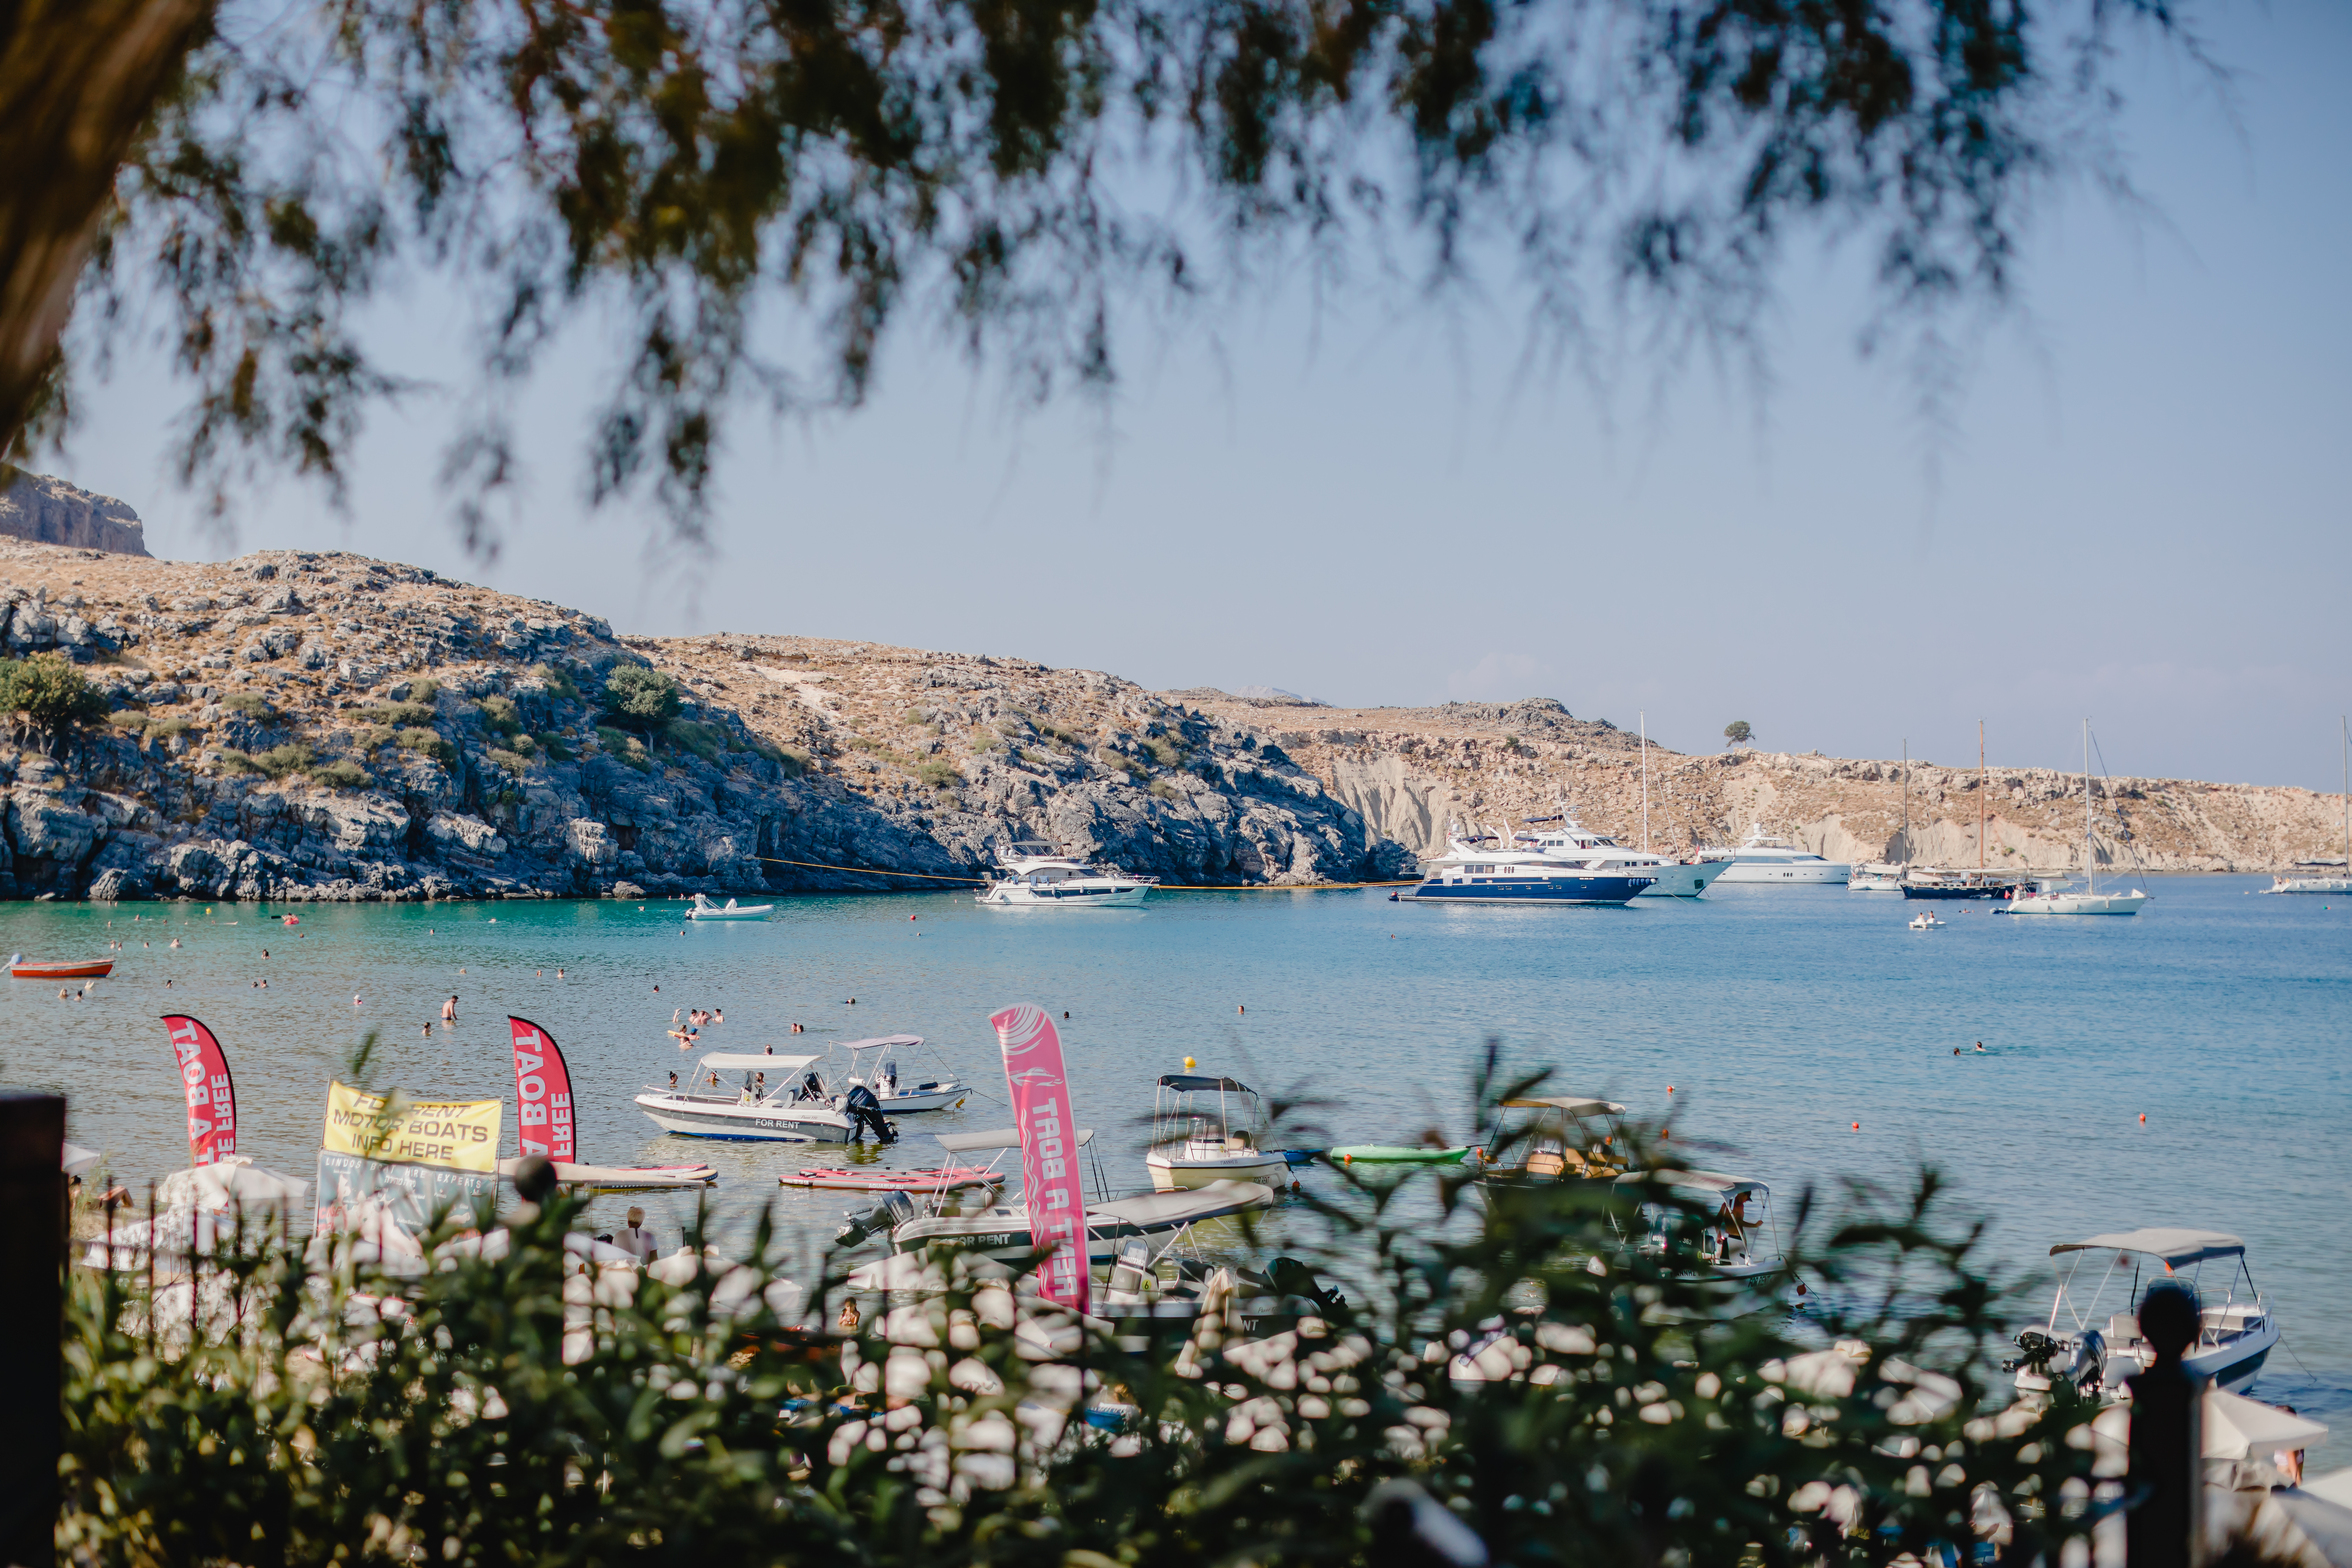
2136, 514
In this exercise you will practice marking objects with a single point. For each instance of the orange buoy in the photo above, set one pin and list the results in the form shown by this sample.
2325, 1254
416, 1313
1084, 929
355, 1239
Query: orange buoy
2143, 1118
1857, 1126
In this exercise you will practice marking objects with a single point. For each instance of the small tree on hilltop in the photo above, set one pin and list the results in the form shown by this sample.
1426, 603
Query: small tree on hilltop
45, 695
1737, 733
639, 698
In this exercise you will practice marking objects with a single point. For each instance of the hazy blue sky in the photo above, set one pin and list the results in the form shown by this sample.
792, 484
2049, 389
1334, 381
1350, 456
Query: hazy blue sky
2140, 516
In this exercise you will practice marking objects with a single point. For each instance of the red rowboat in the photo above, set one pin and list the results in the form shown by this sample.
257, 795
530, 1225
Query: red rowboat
96, 969
893, 1181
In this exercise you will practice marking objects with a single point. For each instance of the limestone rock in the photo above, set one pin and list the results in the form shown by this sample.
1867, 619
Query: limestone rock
44, 510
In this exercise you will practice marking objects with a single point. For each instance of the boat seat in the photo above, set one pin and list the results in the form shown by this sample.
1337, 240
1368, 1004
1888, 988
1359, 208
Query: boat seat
1237, 1142
2123, 1328
1546, 1162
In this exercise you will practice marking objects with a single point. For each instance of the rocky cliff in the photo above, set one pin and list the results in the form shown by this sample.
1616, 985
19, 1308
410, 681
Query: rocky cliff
43, 510
1411, 771
299, 725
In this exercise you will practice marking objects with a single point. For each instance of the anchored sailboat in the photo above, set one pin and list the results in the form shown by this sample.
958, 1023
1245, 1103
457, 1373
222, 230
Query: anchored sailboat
2050, 897
2342, 884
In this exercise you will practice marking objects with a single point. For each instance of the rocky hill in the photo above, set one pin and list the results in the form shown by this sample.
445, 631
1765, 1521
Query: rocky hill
301, 725
43, 510
298, 725
1411, 771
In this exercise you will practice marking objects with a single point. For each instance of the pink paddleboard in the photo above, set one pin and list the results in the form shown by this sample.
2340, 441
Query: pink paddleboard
893, 1181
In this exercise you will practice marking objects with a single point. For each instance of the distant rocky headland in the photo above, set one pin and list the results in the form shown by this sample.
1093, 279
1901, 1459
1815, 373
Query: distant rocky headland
317, 725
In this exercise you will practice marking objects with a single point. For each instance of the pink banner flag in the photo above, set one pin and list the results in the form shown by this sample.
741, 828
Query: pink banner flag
212, 1098
543, 1094
1049, 1150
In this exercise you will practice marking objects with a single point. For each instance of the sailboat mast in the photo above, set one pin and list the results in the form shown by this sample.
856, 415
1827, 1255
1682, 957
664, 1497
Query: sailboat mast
1906, 800
1645, 743
2346, 725
2090, 858
1982, 780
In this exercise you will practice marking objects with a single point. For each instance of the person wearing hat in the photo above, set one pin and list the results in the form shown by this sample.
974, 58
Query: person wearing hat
635, 1239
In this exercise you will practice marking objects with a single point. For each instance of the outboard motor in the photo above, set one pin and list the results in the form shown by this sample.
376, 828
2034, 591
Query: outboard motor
895, 1209
1290, 1277
865, 1114
2087, 1368
2040, 1350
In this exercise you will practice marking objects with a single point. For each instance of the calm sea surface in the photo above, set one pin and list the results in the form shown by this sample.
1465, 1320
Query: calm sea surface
1779, 1017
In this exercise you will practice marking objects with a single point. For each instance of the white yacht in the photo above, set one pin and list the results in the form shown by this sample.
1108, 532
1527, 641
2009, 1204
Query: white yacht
2326, 883
766, 1107
2235, 1331
2055, 896
1875, 879
1765, 857
1469, 873
1032, 874
1565, 839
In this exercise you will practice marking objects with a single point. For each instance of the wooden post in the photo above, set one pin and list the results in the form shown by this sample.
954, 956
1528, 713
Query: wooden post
2166, 1483
32, 1324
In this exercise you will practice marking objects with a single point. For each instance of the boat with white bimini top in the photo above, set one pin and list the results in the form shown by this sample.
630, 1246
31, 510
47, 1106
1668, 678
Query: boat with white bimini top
1875, 879
874, 1063
1034, 874
1736, 1236
1767, 857
777, 1110
2052, 896
1568, 1137
2096, 1354
1206, 1128
2337, 884
1564, 839
704, 909
1469, 874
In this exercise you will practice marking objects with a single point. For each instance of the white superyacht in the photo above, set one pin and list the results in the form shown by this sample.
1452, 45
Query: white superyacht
1570, 840
1765, 857
1032, 874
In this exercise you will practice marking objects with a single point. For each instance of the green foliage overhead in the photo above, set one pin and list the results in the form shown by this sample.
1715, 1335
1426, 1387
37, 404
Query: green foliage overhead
721, 178
639, 698
1629, 1404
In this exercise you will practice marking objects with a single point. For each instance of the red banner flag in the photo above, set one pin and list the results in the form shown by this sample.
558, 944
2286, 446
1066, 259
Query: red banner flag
543, 1094
212, 1098
1049, 1150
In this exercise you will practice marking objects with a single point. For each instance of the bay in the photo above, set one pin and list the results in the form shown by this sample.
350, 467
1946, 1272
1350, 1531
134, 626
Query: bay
1777, 1017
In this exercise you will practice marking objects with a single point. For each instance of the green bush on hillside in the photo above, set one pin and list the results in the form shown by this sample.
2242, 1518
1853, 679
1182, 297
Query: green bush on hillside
342, 773
250, 704
938, 773
45, 695
1615, 1405
558, 681
639, 698
499, 715
428, 743
400, 715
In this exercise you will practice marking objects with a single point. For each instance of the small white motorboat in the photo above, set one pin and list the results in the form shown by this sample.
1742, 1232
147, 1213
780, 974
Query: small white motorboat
1925, 920
1207, 1129
1002, 1230
767, 1107
1876, 879
898, 1095
2234, 1334
704, 909
1736, 1240
1033, 874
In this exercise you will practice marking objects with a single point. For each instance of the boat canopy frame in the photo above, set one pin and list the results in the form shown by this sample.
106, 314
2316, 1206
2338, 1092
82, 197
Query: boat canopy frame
1169, 1119
2171, 1248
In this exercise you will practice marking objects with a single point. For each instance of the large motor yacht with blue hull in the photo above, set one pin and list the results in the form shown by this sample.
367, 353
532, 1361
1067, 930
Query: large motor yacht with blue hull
1567, 842
1468, 874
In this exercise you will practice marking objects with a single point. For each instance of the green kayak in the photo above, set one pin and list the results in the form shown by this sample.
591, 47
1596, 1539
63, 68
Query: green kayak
1395, 1154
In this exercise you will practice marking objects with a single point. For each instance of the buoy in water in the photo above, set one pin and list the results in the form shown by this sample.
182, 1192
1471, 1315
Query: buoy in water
1188, 1064
1857, 1126
2143, 1118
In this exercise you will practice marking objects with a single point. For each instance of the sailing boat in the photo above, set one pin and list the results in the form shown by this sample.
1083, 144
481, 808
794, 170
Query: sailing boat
2048, 897
1884, 878
2342, 884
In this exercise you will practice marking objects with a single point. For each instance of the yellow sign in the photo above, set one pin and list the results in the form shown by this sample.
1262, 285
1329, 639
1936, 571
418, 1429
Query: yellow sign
457, 1135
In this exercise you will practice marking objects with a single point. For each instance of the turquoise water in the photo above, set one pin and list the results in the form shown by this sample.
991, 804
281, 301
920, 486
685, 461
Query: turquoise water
1778, 1016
